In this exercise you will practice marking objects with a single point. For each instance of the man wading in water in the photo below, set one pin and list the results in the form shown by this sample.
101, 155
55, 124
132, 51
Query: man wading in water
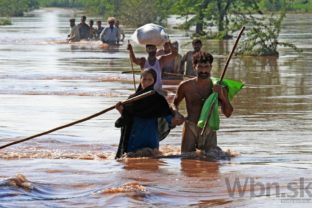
195, 91
188, 57
150, 62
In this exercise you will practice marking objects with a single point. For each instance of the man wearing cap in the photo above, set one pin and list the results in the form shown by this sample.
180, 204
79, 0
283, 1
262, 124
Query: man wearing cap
110, 34
74, 32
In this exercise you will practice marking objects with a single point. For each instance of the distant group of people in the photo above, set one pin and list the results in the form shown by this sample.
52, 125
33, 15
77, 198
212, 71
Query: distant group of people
140, 121
111, 34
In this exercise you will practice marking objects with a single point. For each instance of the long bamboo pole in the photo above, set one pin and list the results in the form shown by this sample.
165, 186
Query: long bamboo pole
80, 120
133, 72
223, 74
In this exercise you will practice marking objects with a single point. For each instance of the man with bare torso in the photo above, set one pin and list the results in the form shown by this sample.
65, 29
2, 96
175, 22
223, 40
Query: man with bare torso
195, 91
164, 64
189, 70
165, 50
171, 67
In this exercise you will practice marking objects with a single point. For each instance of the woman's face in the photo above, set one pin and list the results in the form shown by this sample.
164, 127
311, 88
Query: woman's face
147, 80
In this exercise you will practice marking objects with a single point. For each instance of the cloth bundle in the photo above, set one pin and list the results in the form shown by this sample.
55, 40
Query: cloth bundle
150, 34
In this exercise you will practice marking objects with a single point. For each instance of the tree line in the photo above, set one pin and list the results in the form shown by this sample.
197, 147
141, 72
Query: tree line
226, 15
9, 8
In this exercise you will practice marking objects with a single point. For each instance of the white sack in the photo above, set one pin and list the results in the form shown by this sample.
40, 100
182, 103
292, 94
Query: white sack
150, 34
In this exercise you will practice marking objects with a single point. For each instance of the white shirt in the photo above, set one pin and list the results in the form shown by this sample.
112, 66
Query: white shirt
110, 35
156, 67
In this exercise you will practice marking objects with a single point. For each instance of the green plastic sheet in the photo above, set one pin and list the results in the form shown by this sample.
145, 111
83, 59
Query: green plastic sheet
210, 107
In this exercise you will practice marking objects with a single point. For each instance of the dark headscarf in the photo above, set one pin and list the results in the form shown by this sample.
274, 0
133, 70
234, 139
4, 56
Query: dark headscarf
154, 106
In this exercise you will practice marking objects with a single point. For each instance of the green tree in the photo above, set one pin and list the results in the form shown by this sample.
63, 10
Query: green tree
200, 16
262, 37
62, 3
186, 9
220, 13
99, 7
164, 9
16, 7
138, 12
273, 5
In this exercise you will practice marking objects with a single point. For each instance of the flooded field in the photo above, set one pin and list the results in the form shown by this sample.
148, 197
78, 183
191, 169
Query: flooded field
45, 83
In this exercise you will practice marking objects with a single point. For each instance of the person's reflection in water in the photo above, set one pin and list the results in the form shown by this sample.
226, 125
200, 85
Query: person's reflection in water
146, 164
200, 168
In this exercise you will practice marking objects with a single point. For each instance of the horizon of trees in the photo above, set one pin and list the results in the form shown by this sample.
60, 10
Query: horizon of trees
9, 8
226, 15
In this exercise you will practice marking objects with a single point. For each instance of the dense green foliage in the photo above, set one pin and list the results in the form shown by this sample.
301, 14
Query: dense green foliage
17, 7
139, 12
61, 3
289, 5
161, 7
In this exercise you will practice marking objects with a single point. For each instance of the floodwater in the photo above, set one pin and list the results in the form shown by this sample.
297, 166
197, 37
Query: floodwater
46, 83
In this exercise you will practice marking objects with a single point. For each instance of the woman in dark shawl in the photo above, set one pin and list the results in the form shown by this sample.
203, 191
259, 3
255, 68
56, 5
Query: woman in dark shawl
140, 120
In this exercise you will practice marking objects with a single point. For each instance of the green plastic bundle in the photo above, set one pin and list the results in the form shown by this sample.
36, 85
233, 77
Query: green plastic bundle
210, 107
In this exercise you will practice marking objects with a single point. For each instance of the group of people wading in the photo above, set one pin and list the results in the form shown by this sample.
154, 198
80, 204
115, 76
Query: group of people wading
111, 34
167, 62
143, 122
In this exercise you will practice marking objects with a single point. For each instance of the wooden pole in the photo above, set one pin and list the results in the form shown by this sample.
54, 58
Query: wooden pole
223, 74
133, 72
80, 120
232, 52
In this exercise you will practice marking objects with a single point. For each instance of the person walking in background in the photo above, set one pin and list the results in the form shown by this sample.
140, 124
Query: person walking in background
74, 35
165, 50
197, 45
99, 29
110, 34
171, 63
150, 62
84, 29
92, 30
120, 31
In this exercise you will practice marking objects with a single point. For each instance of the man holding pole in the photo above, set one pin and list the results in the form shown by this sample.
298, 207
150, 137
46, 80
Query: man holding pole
195, 91
150, 62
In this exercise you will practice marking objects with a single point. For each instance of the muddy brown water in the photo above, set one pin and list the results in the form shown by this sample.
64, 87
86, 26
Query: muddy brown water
45, 83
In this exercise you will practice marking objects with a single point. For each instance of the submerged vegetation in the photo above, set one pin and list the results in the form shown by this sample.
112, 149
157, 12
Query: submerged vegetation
262, 36
5, 21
